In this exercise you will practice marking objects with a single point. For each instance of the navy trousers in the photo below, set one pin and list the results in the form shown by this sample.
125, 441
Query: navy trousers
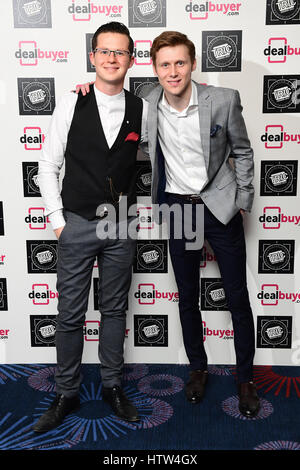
228, 244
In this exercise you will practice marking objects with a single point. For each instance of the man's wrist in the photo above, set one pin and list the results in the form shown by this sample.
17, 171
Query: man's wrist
57, 219
244, 200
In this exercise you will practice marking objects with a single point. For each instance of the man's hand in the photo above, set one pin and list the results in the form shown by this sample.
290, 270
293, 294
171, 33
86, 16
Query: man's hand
58, 231
242, 212
85, 88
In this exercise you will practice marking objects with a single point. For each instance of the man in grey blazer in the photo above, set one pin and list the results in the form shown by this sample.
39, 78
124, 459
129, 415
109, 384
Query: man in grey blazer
193, 129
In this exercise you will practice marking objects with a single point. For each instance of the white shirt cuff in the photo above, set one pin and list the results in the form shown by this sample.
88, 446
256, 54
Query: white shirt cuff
57, 219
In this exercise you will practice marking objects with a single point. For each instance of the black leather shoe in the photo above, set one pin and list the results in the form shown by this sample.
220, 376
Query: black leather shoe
55, 415
195, 388
120, 404
249, 404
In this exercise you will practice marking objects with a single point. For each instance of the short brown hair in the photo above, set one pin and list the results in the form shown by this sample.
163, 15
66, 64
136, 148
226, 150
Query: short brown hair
113, 27
171, 39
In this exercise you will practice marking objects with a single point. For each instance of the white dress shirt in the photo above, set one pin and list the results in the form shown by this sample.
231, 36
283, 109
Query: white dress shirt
111, 110
180, 141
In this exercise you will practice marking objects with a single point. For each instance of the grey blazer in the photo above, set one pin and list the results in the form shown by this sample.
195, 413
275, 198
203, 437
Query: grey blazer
223, 135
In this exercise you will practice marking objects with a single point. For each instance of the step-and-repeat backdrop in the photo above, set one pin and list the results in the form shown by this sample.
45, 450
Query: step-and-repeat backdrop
250, 45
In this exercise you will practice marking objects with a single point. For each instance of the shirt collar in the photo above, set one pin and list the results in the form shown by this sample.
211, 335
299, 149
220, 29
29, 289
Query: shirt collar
104, 99
192, 103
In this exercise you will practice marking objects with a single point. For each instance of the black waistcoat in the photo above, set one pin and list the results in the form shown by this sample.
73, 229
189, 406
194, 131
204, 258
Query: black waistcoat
95, 173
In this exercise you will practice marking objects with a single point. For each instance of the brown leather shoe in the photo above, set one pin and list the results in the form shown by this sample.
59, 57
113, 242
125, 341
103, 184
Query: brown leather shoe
194, 389
249, 404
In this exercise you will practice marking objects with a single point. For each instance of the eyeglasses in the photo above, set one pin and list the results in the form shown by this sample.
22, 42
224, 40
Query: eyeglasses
107, 52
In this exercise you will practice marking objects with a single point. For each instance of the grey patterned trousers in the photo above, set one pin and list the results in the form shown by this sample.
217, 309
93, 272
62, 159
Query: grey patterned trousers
78, 246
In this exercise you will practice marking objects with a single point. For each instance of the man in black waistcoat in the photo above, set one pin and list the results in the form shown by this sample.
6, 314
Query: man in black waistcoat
97, 137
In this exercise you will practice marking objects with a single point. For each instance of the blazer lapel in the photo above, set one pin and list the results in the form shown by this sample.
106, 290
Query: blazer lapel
204, 103
152, 125
153, 119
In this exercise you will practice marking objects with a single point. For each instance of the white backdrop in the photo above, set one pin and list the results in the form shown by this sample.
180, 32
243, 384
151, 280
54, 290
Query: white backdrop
250, 45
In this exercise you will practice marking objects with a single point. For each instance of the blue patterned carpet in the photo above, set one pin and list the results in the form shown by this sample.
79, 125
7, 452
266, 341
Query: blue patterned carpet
168, 420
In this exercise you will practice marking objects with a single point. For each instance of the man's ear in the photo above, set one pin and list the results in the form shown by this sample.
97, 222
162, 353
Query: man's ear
131, 61
154, 70
194, 66
92, 58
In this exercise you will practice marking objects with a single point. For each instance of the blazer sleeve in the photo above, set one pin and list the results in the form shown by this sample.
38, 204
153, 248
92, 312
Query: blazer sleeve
242, 153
